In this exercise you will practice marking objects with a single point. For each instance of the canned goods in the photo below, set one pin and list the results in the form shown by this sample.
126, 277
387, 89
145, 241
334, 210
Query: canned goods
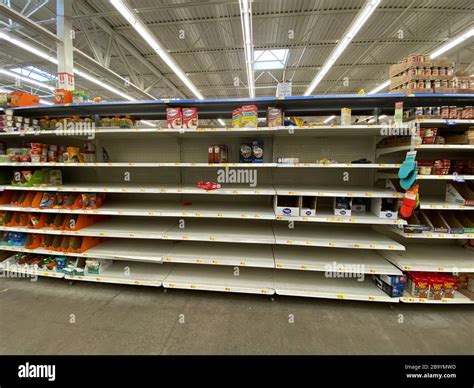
465, 84
436, 83
444, 84
435, 71
419, 71
459, 113
445, 112
451, 84
467, 112
436, 111
442, 71
411, 85
453, 112
412, 71
420, 85
427, 111
449, 71
427, 71
419, 111
428, 84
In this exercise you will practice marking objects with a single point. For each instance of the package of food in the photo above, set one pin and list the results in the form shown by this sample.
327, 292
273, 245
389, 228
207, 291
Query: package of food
174, 117
436, 288
346, 116
449, 286
74, 155
245, 155
274, 117
257, 151
418, 285
237, 118
190, 118
220, 154
249, 116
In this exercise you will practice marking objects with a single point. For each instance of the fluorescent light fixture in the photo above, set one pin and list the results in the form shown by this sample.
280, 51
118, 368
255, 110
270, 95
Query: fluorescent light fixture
27, 47
221, 122
26, 79
246, 21
354, 28
448, 45
145, 33
330, 118
270, 59
382, 86
51, 59
103, 84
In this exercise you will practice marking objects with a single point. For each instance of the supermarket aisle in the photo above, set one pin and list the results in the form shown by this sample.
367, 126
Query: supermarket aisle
51, 316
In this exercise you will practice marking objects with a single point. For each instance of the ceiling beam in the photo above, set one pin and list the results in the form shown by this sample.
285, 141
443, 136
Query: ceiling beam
120, 39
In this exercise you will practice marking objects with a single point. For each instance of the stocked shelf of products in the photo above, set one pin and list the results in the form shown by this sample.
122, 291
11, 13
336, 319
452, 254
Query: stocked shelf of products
114, 249
458, 298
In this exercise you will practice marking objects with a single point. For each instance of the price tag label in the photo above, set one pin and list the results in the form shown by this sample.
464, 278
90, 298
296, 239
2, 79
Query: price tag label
340, 296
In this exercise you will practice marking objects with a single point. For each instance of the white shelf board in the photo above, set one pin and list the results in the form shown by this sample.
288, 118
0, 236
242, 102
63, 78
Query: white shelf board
221, 278
443, 121
425, 147
148, 189
432, 258
334, 236
428, 235
131, 273
166, 209
239, 231
133, 164
441, 204
9, 265
458, 299
250, 255
326, 130
317, 285
429, 177
118, 249
338, 165
167, 228
336, 191
336, 259
356, 218
146, 228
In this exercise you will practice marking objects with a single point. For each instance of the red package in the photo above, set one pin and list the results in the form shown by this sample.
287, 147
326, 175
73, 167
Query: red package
190, 118
436, 287
174, 117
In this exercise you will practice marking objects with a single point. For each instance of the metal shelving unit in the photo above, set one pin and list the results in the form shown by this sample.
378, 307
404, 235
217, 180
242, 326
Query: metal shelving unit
234, 242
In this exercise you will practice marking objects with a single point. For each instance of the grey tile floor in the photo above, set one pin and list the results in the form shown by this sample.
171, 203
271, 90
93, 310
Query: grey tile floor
54, 317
